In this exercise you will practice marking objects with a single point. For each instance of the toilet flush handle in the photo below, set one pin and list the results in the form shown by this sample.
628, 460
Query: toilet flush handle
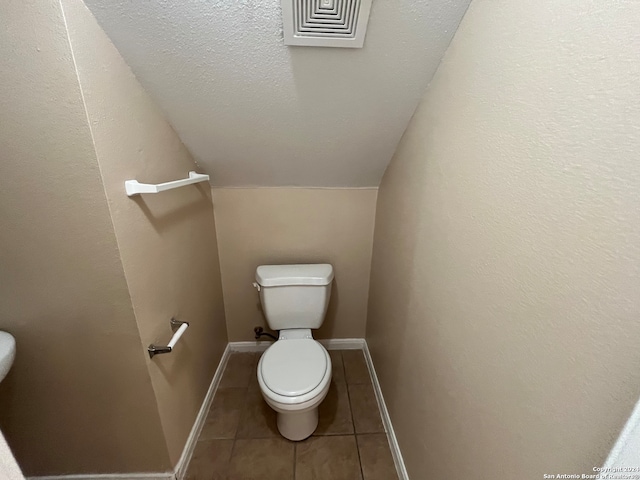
256, 286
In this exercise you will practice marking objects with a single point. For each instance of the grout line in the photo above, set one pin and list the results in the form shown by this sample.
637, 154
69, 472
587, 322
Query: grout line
318, 435
346, 385
295, 459
359, 459
235, 435
233, 449
344, 372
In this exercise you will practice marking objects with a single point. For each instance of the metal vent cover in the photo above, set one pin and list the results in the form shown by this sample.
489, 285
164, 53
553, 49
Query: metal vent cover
325, 23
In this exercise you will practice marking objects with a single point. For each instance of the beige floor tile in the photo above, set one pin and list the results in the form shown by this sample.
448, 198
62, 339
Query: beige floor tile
330, 458
224, 416
210, 460
262, 459
337, 365
355, 367
240, 368
258, 420
375, 457
334, 413
364, 407
239, 409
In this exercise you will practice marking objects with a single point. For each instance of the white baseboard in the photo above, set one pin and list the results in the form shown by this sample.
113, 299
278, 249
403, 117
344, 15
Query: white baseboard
386, 420
329, 344
343, 343
110, 476
183, 462
254, 346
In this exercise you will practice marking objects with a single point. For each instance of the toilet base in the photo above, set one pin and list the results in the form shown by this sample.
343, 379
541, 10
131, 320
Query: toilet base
297, 426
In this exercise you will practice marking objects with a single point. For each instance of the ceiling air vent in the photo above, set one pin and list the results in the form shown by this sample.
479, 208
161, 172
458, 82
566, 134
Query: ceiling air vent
325, 23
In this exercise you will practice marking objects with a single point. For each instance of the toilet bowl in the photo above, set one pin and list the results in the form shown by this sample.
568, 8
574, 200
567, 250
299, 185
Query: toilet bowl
294, 376
294, 373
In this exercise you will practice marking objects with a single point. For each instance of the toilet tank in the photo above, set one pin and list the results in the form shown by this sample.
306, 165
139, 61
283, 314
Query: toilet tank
294, 296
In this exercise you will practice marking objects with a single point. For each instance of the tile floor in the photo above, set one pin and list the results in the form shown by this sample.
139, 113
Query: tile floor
240, 439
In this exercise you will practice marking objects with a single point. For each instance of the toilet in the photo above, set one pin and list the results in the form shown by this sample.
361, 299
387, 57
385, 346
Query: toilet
294, 373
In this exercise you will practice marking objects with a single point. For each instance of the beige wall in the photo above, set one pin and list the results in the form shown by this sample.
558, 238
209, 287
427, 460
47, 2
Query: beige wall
295, 225
79, 397
503, 312
167, 242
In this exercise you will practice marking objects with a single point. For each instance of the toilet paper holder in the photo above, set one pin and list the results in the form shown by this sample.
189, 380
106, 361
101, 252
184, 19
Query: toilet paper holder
178, 327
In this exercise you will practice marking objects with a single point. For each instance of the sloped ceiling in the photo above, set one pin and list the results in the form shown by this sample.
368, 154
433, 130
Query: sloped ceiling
256, 112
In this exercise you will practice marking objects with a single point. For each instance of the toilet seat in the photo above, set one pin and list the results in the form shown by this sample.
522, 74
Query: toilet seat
294, 371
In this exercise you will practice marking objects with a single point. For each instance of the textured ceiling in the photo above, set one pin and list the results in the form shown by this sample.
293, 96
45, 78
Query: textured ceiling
256, 112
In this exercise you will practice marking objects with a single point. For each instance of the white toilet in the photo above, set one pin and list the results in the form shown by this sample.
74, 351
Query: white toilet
295, 372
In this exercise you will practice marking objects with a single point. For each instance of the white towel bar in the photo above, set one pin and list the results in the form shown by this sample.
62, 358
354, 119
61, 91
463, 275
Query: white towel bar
133, 187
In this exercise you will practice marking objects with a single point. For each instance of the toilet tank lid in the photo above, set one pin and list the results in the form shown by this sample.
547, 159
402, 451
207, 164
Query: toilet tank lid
283, 275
